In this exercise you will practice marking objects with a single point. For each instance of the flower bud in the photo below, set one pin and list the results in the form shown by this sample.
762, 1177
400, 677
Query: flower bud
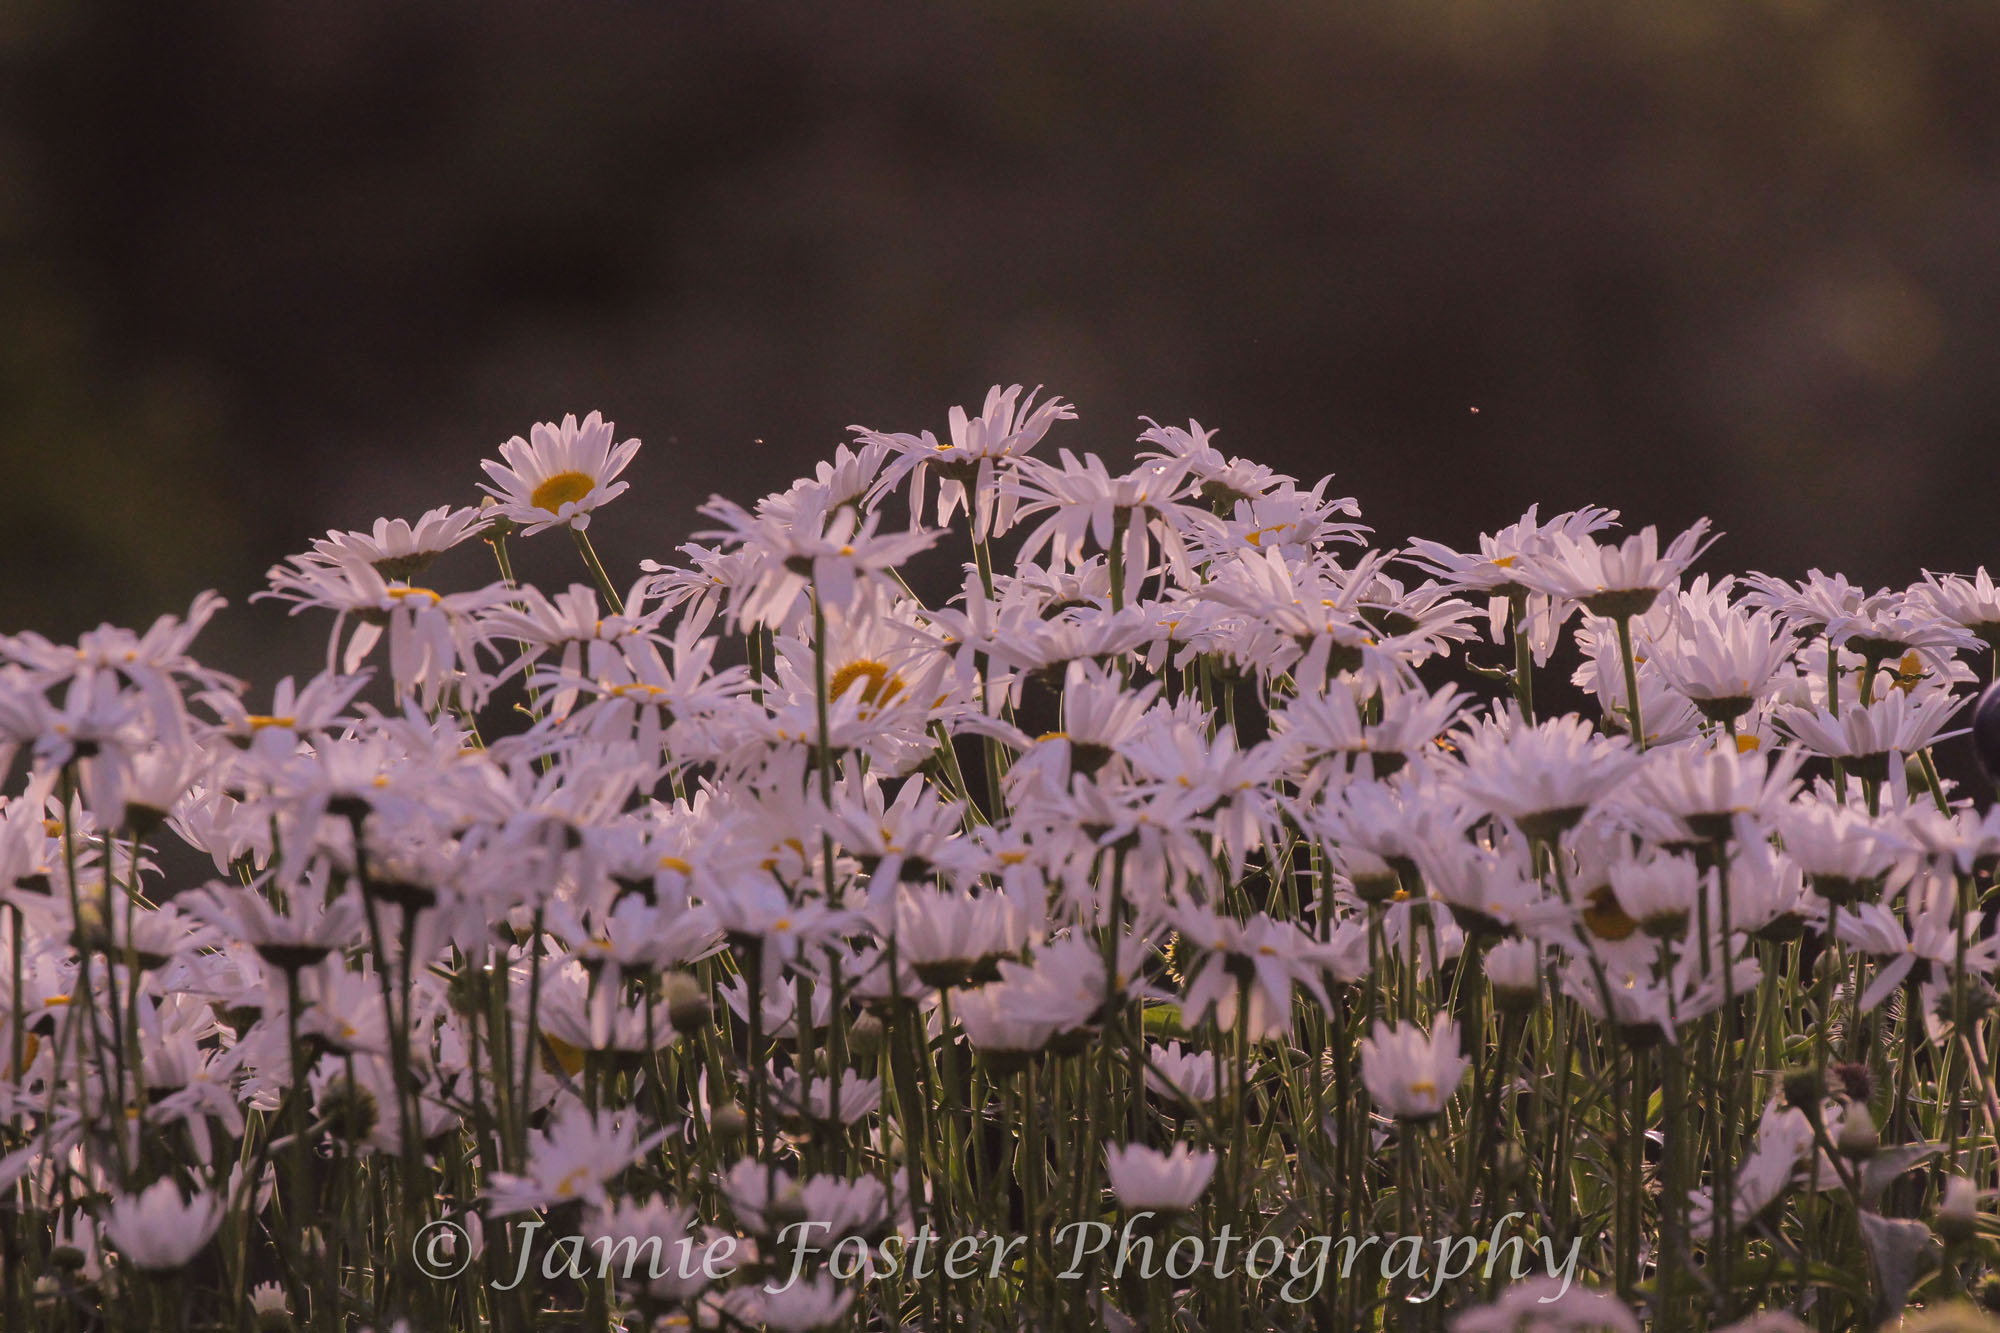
1858, 1138
1958, 1211
1856, 1081
727, 1122
864, 1039
1515, 969
1804, 1089
267, 1301
689, 1007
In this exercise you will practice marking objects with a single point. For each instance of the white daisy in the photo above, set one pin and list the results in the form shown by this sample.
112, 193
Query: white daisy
159, 1230
1409, 1075
399, 549
1147, 1180
557, 476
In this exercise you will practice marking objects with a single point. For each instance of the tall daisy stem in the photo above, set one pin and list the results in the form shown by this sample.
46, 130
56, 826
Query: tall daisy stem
596, 568
1633, 712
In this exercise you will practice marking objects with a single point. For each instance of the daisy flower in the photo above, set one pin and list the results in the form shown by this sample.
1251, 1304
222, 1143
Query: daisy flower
1613, 581
574, 1158
1490, 893
159, 1230
300, 938
559, 474
969, 467
1409, 1075
673, 1228
1146, 1180
1935, 938
1174, 1071
398, 549
1515, 969
995, 1027
1721, 657
766, 1199
295, 713
1495, 567
950, 938
1696, 792
1549, 1305
1286, 518
1494, 570
1973, 604
434, 638
1224, 481
803, 1306
1659, 892
819, 546
1405, 725
1120, 513
1843, 852
1255, 962
1866, 735
1889, 625
1543, 777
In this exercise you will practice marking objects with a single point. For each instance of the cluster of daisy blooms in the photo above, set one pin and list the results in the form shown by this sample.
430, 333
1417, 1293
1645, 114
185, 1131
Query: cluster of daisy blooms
1193, 863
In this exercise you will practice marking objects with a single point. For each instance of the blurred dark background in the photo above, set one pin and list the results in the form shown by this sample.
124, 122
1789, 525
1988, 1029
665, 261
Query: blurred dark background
276, 267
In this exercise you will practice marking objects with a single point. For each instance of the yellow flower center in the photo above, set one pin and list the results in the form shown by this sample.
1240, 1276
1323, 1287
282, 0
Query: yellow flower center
567, 1186
400, 593
259, 721
1908, 672
879, 686
1423, 1088
1746, 744
561, 489
569, 1057
1505, 561
675, 863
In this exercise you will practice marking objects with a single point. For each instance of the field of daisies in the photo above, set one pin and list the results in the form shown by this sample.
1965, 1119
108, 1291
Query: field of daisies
1192, 916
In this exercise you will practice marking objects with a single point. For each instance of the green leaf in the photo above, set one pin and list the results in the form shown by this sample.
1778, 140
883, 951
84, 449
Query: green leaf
1888, 1163
1898, 1251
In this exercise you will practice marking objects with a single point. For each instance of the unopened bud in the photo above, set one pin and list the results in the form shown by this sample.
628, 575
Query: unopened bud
864, 1039
1958, 1211
1804, 1089
727, 1122
1859, 1138
689, 1007
1855, 1080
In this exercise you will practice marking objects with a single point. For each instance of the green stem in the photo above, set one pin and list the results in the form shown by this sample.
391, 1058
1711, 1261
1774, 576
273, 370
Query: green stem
596, 567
